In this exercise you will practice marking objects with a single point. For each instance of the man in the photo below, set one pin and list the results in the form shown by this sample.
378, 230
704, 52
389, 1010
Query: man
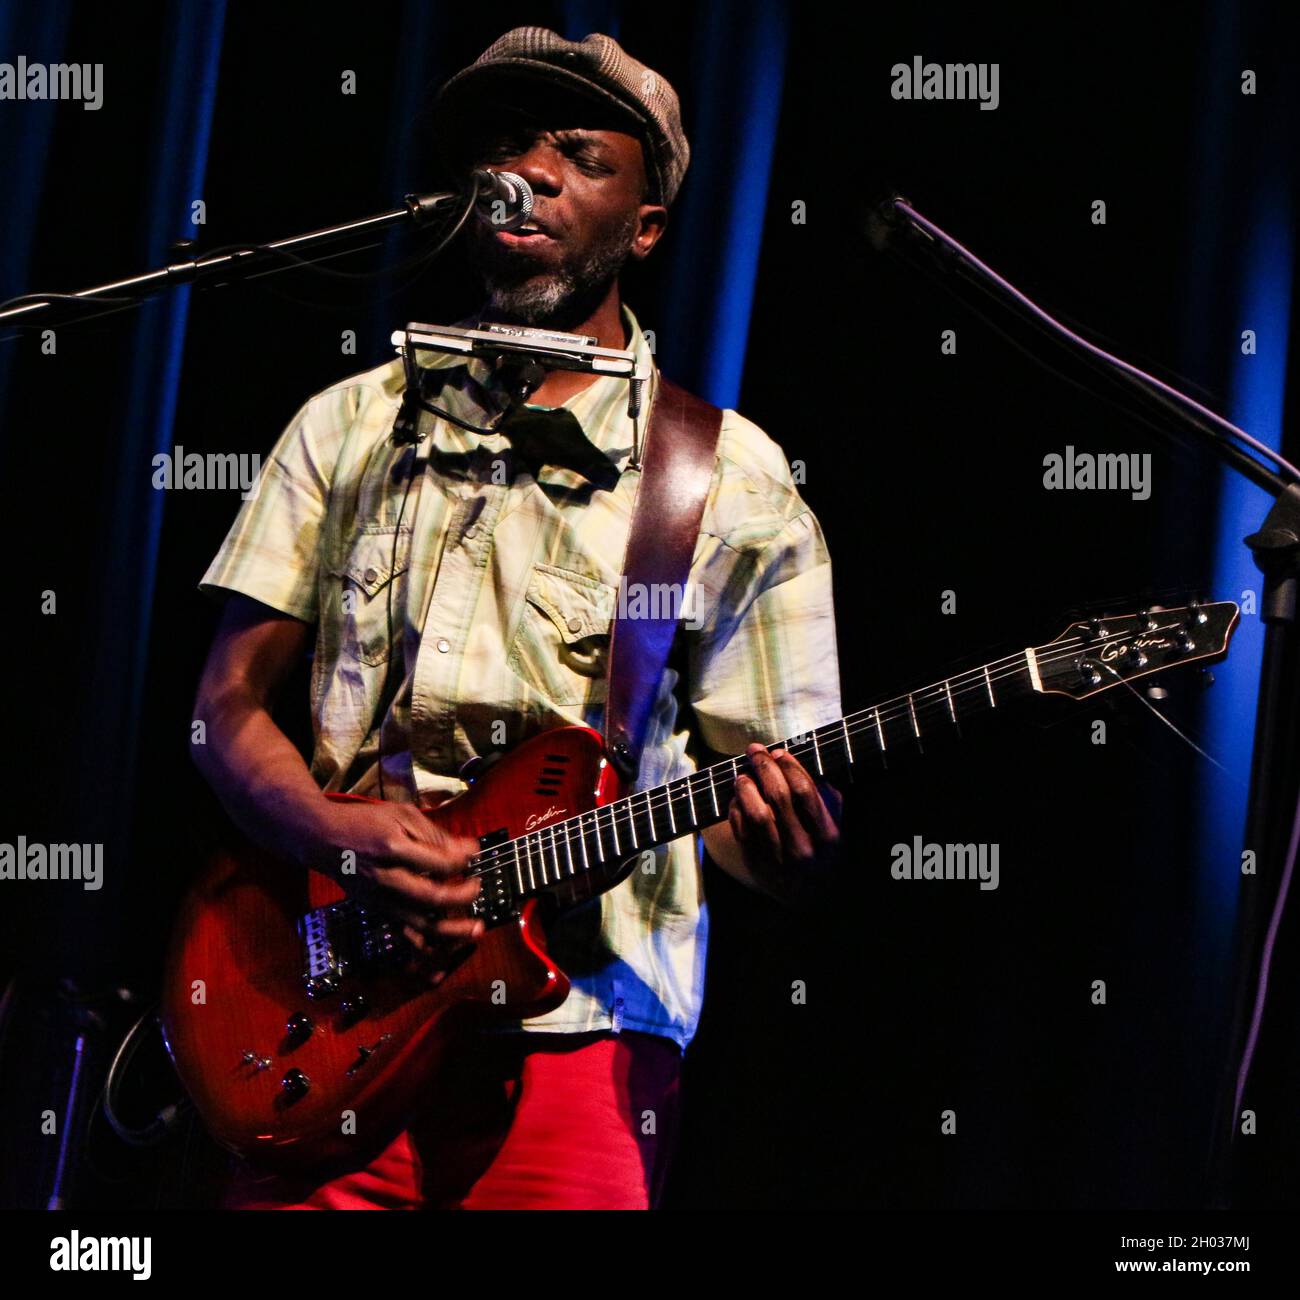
461, 603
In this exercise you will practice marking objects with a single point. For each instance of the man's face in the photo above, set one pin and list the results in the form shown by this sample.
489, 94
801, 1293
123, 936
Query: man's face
588, 217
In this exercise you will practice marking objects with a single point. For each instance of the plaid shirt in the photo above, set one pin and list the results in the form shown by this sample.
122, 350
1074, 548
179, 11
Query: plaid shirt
501, 593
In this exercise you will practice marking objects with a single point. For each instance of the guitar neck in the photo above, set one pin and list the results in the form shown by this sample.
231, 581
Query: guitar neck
555, 855
1089, 657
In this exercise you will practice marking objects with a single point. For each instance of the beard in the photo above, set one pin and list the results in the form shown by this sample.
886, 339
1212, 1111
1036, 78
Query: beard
521, 292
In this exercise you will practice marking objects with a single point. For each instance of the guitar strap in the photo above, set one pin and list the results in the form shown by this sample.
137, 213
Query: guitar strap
676, 469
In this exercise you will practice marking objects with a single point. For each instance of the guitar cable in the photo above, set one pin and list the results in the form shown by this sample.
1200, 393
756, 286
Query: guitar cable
392, 579
165, 1119
406, 430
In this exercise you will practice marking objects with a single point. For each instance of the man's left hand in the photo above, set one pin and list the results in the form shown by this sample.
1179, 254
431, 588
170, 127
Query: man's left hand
787, 831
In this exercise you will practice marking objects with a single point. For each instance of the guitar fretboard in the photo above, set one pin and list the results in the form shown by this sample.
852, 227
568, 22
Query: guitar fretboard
559, 855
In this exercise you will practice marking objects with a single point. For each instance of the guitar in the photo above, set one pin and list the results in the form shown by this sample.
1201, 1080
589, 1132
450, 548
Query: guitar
287, 1003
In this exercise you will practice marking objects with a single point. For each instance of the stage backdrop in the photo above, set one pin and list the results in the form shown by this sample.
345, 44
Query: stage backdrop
831, 1045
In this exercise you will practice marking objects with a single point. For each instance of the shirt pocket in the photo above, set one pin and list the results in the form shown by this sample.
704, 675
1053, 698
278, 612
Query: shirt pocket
367, 581
562, 644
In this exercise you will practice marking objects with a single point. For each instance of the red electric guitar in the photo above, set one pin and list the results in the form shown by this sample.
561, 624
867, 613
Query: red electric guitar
290, 1010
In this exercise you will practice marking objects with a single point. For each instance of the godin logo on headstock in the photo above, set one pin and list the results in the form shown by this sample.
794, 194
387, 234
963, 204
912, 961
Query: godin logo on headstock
538, 818
1116, 651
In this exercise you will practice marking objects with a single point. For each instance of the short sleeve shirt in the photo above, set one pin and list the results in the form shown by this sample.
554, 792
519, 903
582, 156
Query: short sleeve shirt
462, 606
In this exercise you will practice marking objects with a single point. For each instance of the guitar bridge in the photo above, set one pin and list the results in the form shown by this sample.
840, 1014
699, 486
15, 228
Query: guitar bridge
341, 937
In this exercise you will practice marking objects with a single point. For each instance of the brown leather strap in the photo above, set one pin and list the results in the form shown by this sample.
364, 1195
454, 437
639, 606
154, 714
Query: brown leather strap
676, 469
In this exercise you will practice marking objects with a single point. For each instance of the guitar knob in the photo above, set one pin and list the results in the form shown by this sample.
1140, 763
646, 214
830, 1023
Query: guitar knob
295, 1084
299, 1027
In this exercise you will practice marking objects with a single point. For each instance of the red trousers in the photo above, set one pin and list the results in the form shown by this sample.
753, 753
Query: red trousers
521, 1121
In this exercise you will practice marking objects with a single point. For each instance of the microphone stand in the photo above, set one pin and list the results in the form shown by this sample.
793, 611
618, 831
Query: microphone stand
234, 262
1272, 818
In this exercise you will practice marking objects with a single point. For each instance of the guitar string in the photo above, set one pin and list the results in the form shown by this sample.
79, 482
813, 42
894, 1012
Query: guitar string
1178, 731
868, 720
858, 721
507, 855
504, 856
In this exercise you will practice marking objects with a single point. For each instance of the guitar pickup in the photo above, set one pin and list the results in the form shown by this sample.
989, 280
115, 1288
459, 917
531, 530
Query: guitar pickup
495, 902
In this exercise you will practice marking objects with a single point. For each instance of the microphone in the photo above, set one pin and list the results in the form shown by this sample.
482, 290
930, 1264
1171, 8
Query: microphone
503, 199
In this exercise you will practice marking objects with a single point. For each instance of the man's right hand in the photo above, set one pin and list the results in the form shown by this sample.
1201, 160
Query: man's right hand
399, 860
392, 857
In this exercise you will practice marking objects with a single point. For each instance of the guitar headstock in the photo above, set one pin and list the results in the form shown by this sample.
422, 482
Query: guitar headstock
1095, 654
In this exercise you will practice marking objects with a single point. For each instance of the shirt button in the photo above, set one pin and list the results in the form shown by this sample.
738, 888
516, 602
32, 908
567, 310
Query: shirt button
369, 576
471, 531
443, 644
573, 625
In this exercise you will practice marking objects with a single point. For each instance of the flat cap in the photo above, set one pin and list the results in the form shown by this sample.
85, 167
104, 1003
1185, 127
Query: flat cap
596, 68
